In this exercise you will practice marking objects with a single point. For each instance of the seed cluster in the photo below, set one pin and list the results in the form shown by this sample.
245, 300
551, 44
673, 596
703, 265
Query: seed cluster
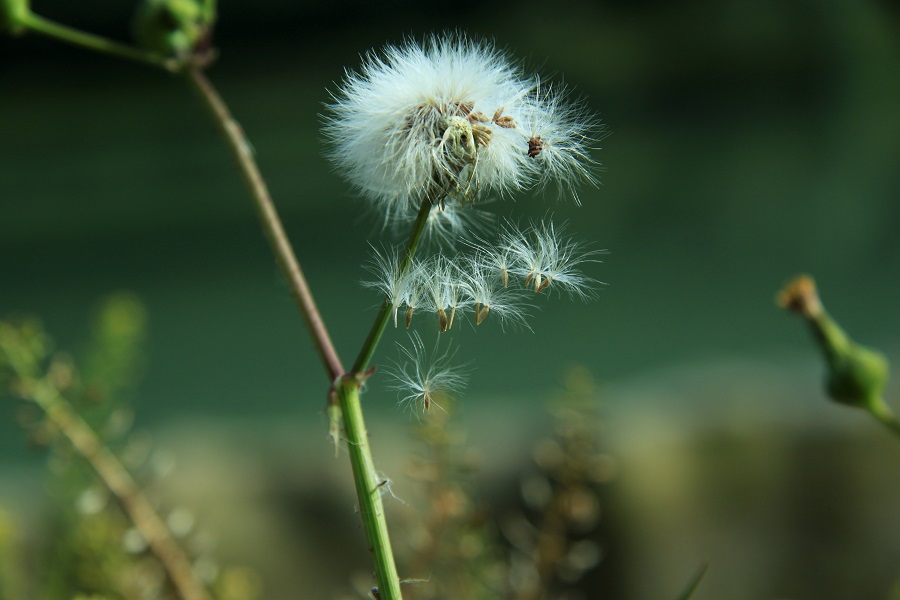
481, 279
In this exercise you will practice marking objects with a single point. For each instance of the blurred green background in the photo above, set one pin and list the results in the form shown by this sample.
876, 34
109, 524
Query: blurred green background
749, 142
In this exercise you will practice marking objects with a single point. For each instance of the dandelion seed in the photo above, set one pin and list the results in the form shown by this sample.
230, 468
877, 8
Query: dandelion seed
560, 137
413, 290
451, 120
385, 486
544, 257
397, 288
445, 289
482, 287
422, 377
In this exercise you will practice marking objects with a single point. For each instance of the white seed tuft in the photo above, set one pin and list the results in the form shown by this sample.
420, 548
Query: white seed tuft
486, 292
450, 120
422, 377
548, 260
398, 289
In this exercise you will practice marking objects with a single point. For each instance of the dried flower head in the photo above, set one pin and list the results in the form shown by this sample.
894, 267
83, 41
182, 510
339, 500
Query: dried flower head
449, 120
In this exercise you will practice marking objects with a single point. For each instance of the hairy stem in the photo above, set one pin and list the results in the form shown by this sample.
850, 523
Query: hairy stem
37, 24
368, 490
368, 348
271, 223
120, 483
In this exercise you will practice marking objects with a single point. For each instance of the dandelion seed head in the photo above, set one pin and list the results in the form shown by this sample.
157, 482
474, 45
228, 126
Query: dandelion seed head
450, 120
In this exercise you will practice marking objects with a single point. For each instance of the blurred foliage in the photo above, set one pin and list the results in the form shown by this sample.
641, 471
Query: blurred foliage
89, 546
458, 546
450, 544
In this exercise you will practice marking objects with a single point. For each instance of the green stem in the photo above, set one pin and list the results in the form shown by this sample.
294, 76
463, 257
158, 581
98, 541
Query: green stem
879, 409
271, 222
368, 483
43, 26
368, 490
368, 348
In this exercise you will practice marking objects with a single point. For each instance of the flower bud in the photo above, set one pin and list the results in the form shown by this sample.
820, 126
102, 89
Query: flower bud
856, 375
12, 15
177, 28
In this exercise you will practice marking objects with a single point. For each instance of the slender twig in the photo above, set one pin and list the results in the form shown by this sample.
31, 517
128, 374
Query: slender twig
274, 230
38, 24
368, 347
240, 149
368, 485
123, 487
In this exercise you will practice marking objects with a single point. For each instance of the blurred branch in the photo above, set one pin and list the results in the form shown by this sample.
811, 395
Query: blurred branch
28, 21
20, 359
123, 487
694, 583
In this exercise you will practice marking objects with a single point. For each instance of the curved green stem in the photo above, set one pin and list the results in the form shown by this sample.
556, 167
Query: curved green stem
37, 24
880, 410
268, 216
368, 348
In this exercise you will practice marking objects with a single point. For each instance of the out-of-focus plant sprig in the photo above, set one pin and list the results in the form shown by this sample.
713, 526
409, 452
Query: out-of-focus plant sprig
451, 539
97, 551
856, 375
17, 18
557, 546
553, 547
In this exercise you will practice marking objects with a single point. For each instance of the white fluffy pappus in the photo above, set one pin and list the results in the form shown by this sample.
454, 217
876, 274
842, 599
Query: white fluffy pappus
421, 377
449, 120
